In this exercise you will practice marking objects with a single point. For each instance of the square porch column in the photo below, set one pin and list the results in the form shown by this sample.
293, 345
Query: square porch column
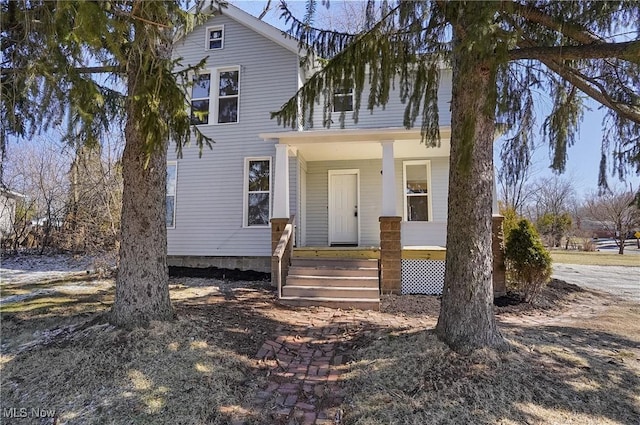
388, 180
390, 255
280, 214
281, 183
390, 227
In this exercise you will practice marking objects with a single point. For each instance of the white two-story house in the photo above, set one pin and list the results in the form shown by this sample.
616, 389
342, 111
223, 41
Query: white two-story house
336, 182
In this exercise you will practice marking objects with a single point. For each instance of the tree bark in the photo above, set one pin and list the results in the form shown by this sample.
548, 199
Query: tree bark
142, 283
466, 320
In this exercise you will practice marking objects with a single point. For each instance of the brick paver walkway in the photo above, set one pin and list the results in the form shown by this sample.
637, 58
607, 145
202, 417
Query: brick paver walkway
305, 362
304, 370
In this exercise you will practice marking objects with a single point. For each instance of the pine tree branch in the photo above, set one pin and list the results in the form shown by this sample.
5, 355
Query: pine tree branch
582, 82
629, 50
571, 30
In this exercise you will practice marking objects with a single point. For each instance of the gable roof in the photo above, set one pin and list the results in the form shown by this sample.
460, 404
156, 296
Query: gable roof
270, 32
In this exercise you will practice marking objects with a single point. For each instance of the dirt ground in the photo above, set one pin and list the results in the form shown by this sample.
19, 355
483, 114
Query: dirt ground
575, 358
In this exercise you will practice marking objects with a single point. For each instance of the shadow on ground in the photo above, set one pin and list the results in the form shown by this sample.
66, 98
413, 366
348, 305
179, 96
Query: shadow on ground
200, 369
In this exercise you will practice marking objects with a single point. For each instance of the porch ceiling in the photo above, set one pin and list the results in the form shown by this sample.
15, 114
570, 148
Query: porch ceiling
323, 145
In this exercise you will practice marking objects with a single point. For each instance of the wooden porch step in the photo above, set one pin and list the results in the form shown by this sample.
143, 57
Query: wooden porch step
320, 270
342, 292
331, 262
335, 282
330, 280
343, 303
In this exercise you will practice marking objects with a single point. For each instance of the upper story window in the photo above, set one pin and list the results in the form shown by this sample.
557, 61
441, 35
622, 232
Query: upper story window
200, 99
172, 179
221, 103
228, 93
343, 100
417, 190
215, 38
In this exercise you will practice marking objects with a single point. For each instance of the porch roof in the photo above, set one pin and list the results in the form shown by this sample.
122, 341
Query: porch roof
320, 145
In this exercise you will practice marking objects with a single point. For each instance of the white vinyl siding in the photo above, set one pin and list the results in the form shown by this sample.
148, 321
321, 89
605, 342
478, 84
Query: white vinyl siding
172, 181
391, 115
425, 233
211, 189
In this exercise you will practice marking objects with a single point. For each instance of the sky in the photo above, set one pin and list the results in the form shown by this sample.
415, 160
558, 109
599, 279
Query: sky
583, 158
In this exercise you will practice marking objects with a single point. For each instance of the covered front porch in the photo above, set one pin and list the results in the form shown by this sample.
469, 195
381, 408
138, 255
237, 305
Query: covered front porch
338, 183
378, 195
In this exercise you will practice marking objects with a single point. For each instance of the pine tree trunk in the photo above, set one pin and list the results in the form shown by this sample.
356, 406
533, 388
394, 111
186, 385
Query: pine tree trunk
142, 283
466, 317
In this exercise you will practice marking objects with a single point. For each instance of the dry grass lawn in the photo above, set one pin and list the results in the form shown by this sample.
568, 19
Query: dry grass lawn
596, 258
562, 372
60, 353
575, 359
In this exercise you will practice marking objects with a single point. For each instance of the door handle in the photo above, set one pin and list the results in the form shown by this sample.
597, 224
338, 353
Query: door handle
355, 214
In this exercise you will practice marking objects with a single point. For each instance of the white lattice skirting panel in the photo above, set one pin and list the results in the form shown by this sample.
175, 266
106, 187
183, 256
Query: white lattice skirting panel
422, 277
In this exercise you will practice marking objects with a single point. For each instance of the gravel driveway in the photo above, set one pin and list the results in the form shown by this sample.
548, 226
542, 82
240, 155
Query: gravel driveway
621, 281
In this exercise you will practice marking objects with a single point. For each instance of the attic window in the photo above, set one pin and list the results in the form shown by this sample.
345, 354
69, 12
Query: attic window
215, 37
343, 100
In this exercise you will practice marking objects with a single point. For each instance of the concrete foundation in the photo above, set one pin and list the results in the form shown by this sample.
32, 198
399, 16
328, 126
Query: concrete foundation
257, 264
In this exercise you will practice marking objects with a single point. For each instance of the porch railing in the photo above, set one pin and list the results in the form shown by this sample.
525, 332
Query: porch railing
281, 258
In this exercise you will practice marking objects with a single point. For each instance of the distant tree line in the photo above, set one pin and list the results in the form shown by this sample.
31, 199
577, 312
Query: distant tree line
565, 220
72, 195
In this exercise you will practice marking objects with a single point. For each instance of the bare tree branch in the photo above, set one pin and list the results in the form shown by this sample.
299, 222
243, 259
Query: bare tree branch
267, 7
81, 70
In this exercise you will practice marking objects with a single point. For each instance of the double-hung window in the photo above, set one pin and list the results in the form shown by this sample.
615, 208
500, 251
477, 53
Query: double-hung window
200, 101
343, 100
172, 178
257, 184
215, 38
228, 93
417, 190
221, 102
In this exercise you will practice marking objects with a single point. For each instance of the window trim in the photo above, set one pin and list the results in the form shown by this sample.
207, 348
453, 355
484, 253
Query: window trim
214, 98
175, 197
192, 77
429, 194
207, 35
343, 95
217, 101
245, 192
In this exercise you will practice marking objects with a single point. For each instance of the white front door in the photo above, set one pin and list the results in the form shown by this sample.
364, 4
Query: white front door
343, 207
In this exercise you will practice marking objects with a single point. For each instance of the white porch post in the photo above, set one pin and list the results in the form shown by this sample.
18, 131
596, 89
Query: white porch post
388, 181
281, 183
